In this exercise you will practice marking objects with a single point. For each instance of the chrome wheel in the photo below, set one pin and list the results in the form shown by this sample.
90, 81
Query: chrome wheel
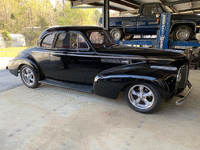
28, 76
183, 34
117, 34
141, 96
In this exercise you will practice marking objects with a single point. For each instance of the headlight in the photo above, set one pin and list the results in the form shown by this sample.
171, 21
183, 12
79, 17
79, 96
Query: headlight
178, 77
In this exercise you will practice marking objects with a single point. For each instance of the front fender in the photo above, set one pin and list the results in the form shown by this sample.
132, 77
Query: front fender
14, 65
110, 82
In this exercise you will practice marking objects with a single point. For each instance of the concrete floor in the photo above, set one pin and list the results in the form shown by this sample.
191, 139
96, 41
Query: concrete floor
52, 118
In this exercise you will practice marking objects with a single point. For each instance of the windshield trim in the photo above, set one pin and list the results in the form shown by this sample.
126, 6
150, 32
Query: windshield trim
106, 33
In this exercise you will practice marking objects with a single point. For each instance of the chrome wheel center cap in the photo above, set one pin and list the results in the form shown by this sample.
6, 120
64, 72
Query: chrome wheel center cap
141, 96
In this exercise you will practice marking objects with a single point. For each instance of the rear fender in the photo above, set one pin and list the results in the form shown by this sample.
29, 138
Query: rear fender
15, 64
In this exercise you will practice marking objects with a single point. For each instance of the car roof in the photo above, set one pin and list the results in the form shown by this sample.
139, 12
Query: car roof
82, 29
77, 28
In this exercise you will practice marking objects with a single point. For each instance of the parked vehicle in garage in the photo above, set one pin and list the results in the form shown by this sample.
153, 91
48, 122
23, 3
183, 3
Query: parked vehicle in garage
88, 59
146, 21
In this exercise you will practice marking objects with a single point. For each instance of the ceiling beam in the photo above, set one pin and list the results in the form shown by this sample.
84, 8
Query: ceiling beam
125, 4
110, 7
190, 9
174, 9
171, 7
178, 2
133, 2
191, 5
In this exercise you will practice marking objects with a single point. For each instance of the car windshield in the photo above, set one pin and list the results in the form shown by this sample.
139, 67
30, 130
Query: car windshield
100, 38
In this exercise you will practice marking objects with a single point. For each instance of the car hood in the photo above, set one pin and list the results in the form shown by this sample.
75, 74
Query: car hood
145, 52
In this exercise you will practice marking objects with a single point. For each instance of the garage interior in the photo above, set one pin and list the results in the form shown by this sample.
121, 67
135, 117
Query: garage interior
174, 6
52, 118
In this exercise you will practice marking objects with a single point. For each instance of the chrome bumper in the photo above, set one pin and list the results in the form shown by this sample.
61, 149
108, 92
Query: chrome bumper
183, 98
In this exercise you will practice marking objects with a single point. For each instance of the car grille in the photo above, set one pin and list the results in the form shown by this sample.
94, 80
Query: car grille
184, 76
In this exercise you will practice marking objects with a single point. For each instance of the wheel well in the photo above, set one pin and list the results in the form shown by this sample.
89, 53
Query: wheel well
40, 74
124, 88
20, 66
178, 24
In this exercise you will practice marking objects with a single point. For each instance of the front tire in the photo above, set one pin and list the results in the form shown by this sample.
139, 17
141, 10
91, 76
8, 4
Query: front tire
29, 76
183, 33
143, 97
117, 34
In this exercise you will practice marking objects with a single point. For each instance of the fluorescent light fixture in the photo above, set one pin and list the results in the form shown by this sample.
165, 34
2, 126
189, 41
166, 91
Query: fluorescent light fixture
198, 14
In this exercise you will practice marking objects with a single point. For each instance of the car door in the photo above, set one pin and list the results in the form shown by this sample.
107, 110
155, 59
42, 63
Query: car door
72, 59
42, 54
147, 21
130, 24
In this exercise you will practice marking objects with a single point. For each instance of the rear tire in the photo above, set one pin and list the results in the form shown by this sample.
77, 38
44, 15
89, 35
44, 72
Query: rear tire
29, 76
183, 33
143, 97
117, 34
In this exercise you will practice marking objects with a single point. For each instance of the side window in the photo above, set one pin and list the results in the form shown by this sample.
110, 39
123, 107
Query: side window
72, 41
48, 40
150, 9
81, 42
62, 41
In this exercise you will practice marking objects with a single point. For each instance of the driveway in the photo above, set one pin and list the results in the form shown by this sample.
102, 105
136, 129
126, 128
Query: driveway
7, 80
52, 118
55, 118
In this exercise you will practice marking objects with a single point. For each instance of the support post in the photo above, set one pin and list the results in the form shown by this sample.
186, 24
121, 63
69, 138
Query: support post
106, 14
163, 35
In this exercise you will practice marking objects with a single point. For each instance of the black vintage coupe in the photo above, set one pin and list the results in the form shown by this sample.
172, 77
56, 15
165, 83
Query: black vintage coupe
88, 59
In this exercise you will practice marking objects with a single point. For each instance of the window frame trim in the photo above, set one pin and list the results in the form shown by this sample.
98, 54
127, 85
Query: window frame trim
78, 49
52, 44
105, 31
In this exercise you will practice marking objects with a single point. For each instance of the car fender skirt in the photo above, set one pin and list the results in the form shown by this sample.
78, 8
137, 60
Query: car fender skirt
110, 86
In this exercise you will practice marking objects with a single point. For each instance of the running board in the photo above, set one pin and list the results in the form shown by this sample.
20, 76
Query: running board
78, 87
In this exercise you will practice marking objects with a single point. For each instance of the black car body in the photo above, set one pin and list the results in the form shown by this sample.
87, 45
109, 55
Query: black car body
183, 27
87, 59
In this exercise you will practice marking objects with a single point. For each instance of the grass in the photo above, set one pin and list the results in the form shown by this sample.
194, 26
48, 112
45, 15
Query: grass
11, 52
